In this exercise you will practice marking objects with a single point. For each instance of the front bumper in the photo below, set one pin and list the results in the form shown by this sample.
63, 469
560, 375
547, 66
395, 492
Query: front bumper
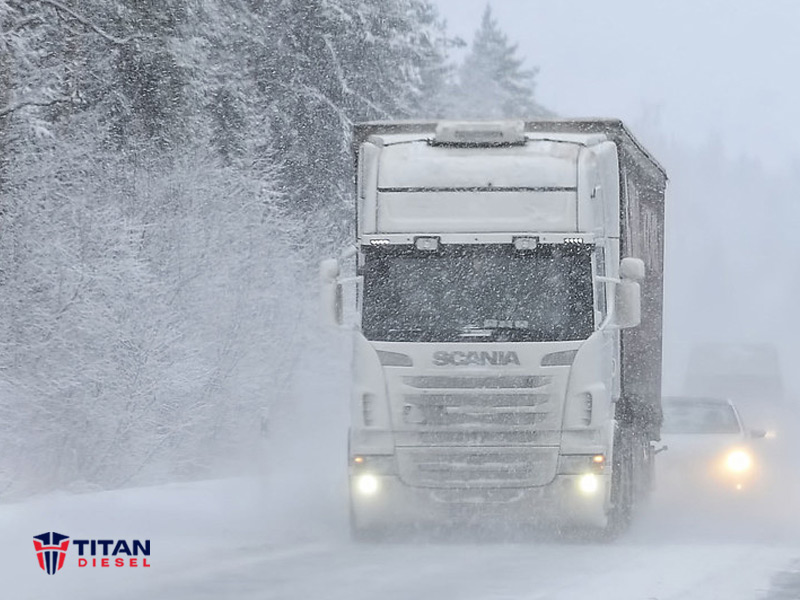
392, 503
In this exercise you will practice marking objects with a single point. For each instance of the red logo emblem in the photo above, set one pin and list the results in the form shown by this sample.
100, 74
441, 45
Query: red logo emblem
51, 550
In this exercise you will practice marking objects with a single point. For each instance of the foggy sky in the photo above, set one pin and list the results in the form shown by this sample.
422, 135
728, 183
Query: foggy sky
709, 87
702, 68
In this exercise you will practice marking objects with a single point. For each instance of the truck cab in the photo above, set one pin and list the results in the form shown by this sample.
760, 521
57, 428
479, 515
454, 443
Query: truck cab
498, 267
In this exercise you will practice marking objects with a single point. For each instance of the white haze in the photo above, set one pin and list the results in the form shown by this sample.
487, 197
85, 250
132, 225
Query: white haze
708, 67
711, 91
727, 143
707, 86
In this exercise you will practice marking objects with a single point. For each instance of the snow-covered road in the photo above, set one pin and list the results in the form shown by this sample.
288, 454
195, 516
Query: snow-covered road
240, 539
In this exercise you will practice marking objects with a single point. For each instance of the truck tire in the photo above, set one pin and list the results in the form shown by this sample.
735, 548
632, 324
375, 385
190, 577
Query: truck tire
623, 486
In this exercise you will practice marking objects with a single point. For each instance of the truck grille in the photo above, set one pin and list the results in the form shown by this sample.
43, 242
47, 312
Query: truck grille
475, 410
477, 438
484, 383
471, 468
484, 403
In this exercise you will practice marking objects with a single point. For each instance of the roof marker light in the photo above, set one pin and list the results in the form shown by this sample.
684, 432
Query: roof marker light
480, 133
430, 244
379, 242
526, 243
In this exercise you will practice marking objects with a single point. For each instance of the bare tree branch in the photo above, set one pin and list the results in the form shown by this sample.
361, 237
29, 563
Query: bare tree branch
18, 105
22, 23
345, 86
86, 22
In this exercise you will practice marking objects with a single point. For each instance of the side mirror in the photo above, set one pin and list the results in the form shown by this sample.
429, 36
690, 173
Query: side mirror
330, 293
628, 304
629, 294
758, 433
631, 269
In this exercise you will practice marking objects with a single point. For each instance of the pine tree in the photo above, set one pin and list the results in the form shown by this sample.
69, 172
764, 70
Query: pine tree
492, 81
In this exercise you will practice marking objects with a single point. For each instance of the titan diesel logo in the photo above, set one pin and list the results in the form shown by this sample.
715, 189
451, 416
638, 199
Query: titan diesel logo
462, 359
51, 550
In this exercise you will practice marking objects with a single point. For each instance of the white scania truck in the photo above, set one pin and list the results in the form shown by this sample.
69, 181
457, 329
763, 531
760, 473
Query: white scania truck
505, 298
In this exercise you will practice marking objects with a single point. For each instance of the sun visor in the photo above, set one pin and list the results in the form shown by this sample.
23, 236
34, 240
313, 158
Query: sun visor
427, 188
537, 164
426, 212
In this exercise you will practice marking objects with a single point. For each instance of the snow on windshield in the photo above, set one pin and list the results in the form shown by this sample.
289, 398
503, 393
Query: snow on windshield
545, 295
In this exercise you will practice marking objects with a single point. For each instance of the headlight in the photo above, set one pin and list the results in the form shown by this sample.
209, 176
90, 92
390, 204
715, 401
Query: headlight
367, 484
588, 484
738, 461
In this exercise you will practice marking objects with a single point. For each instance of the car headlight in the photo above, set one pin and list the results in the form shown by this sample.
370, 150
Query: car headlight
738, 461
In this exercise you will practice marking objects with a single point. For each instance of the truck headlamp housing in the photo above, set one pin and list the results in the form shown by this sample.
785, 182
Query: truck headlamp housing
588, 484
367, 484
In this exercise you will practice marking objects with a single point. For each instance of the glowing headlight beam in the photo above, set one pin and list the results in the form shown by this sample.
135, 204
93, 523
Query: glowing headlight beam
588, 484
367, 484
738, 461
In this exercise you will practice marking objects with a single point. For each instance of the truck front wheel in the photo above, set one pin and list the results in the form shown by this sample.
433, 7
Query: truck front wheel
623, 484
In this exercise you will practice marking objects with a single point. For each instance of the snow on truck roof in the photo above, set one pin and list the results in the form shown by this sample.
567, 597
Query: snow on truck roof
587, 131
388, 139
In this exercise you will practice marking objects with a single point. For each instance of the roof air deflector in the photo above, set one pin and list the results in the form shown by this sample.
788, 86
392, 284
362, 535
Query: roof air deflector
480, 133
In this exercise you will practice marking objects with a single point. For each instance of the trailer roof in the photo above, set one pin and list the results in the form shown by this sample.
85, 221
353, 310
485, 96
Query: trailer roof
615, 129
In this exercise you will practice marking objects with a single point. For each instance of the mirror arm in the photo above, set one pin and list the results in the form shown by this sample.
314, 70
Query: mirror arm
605, 279
612, 309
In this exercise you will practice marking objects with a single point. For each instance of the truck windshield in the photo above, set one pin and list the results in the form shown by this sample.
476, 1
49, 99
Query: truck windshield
478, 293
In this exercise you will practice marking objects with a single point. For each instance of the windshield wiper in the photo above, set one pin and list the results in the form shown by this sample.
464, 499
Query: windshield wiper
497, 333
474, 331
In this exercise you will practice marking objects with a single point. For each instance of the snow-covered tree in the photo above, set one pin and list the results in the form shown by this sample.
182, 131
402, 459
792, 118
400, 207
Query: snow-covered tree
492, 82
171, 172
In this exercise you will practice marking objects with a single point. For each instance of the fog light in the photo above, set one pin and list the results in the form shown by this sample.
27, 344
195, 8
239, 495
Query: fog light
367, 484
588, 484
